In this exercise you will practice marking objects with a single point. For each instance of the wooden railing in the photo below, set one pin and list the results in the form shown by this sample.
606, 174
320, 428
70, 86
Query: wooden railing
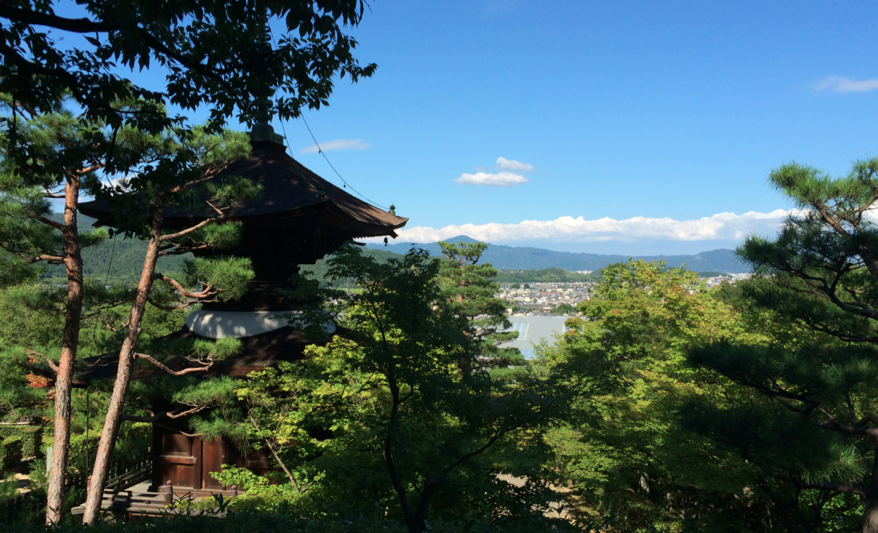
122, 477
131, 474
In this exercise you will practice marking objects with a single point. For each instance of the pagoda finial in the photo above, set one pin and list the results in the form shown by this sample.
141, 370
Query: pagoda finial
262, 130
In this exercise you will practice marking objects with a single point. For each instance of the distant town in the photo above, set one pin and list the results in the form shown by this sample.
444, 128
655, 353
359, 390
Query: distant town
561, 298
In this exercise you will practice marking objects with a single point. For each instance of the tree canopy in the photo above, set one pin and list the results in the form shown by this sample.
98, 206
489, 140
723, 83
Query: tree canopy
209, 52
818, 281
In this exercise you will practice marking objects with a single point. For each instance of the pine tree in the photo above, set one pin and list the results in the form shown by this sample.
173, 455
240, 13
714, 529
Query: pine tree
820, 276
181, 166
64, 159
468, 288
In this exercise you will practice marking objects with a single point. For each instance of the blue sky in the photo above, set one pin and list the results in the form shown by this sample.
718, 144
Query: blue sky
648, 127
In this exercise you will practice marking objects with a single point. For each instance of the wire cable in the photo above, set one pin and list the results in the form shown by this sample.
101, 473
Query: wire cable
346, 184
336, 171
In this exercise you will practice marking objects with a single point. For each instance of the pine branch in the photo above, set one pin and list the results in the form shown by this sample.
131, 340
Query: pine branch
170, 371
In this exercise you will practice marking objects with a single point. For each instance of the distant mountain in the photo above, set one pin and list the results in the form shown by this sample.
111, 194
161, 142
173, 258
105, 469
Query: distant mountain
527, 258
123, 259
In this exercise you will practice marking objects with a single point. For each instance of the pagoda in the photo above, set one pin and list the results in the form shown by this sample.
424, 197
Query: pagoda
297, 219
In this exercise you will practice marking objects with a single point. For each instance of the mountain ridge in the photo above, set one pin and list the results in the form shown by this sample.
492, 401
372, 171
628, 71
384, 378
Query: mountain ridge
530, 258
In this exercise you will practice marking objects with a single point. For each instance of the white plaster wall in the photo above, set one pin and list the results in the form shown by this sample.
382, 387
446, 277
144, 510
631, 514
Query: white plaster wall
238, 324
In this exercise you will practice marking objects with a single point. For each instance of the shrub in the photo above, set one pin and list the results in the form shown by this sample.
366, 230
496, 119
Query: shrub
10, 453
31, 438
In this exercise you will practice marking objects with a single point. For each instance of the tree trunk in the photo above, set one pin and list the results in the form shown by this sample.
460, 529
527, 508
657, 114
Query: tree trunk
69, 345
123, 377
870, 513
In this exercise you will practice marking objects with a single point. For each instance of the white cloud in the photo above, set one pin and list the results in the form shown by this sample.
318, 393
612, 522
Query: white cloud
341, 144
722, 226
512, 164
500, 179
841, 84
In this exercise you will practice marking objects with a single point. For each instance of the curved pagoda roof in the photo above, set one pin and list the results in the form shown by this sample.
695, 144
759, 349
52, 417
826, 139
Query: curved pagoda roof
289, 189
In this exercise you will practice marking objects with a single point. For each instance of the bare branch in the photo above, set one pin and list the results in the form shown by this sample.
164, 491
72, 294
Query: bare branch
168, 414
207, 292
45, 359
215, 208
277, 458
172, 372
178, 431
88, 170
49, 222
171, 250
167, 307
834, 425
172, 236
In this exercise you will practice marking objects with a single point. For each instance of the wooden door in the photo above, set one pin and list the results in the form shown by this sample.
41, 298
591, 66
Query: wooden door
176, 461
212, 458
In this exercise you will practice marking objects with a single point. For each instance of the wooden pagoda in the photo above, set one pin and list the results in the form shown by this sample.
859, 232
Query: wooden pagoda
298, 218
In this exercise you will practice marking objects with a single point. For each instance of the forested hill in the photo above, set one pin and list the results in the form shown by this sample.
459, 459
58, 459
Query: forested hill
122, 259
115, 259
527, 258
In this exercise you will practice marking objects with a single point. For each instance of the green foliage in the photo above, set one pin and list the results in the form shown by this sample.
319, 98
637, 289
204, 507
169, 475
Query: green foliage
58, 145
234, 189
469, 290
319, 270
18, 400
11, 453
82, 453
212, 53
625, 450
398, 414
210, 56
31, 438
216, 236
262, 493
564, 309
170, 168
770, 436
117, 260
15, 270
229, 276
816, 297
225, 417
32, 315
